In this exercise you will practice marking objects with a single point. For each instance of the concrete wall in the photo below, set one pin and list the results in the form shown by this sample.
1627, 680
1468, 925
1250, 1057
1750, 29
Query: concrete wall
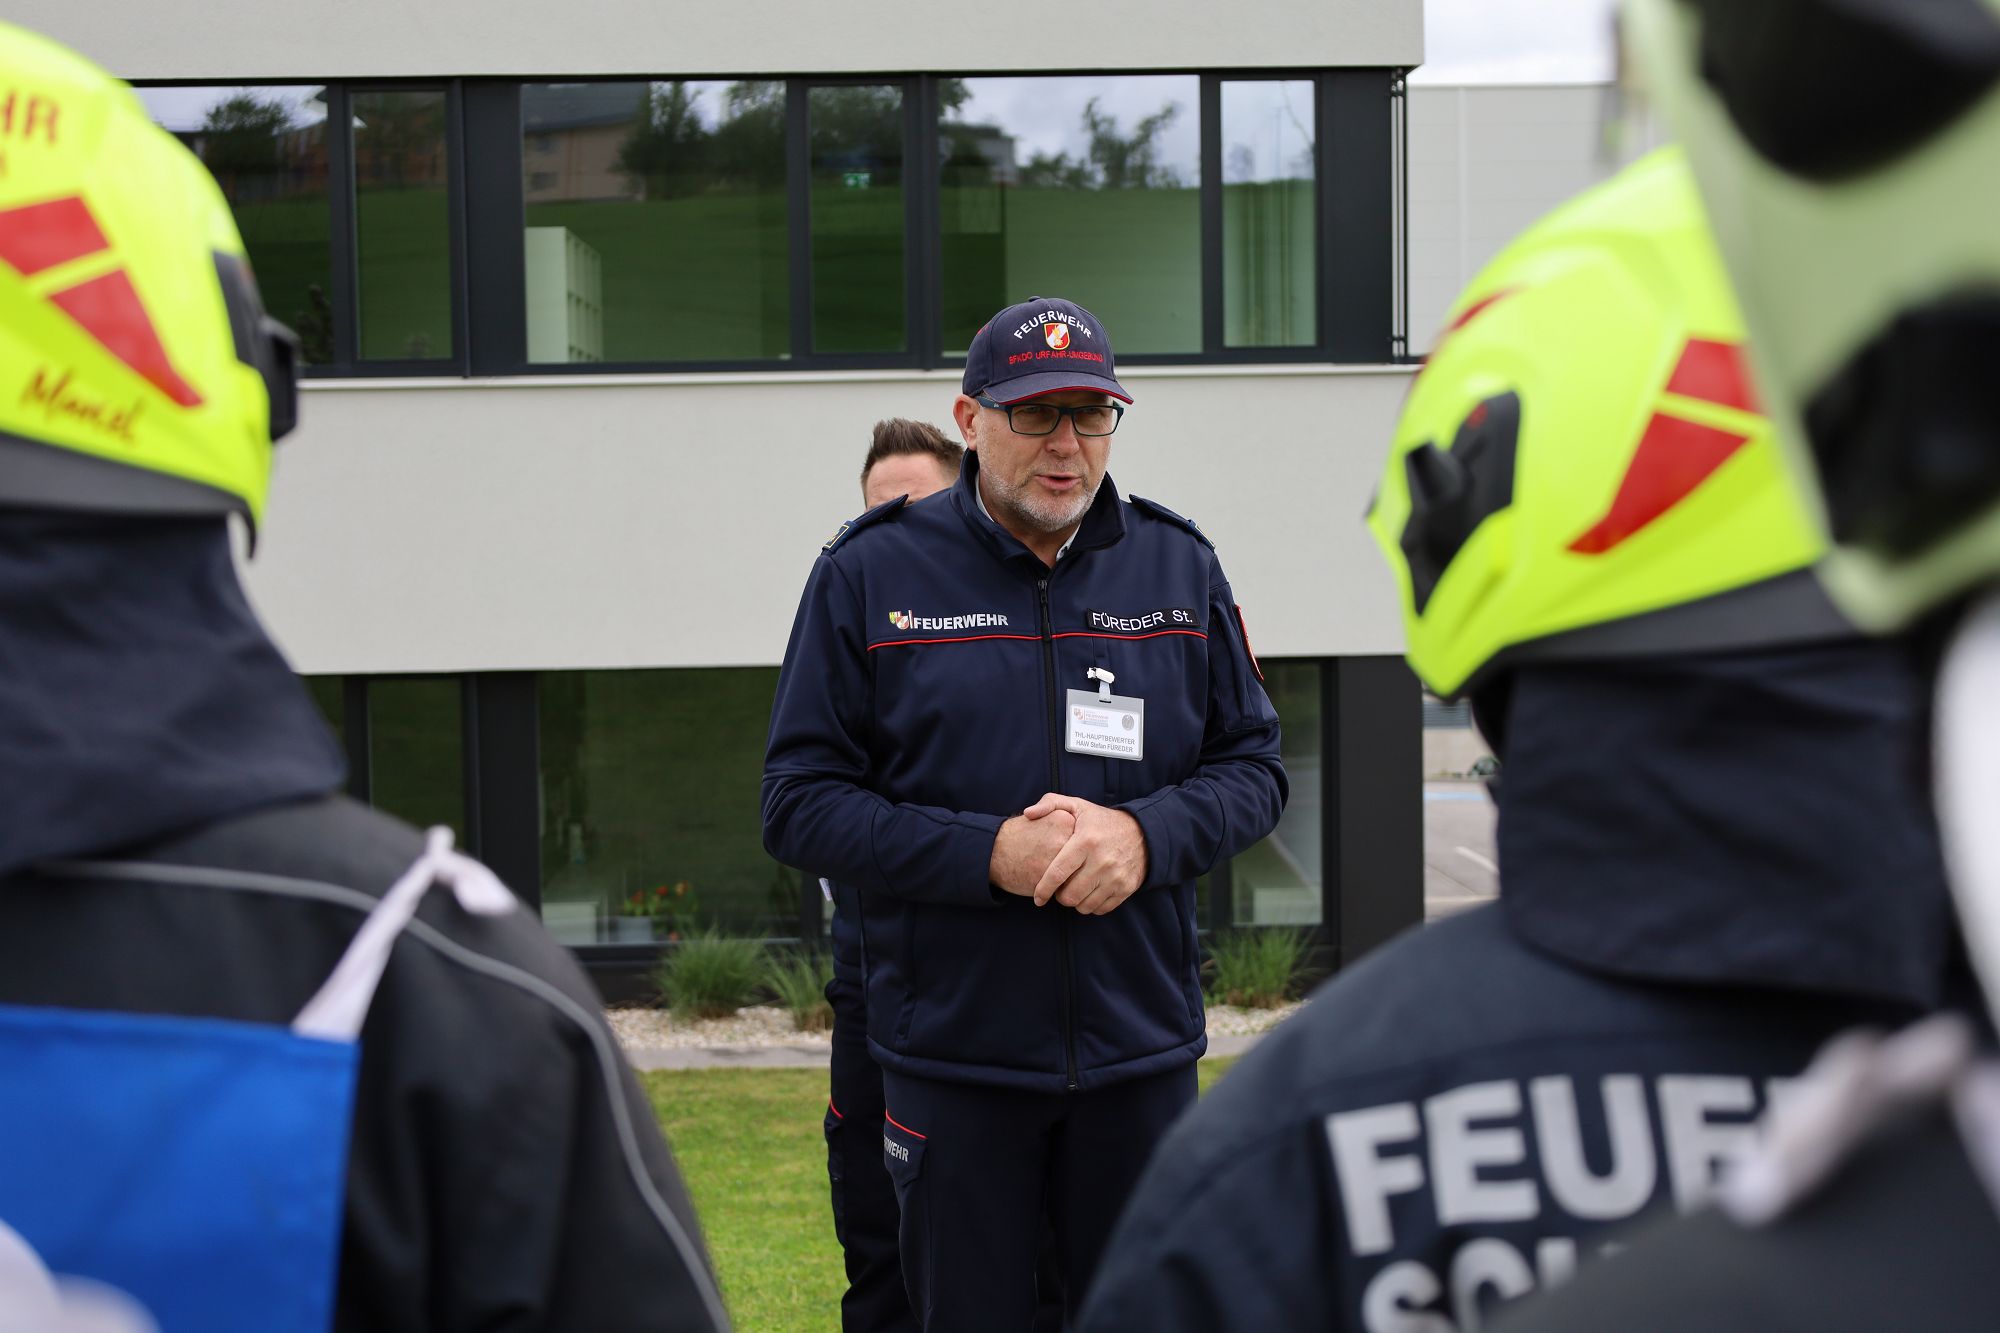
1484, 163
427, 525
321, 39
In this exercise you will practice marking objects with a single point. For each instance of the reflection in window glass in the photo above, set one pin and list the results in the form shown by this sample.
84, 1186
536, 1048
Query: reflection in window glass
1268, 214
1277, 882
650, 782
857, 218
1461, 828
402, 225
416, 764
266, 145
1084, 188
329, 696
656, 226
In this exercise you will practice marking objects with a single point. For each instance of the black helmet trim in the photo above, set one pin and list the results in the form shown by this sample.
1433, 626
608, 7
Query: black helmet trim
1453, 491
34, 475
1829, 90
261, 342
1790, 608
1904, 431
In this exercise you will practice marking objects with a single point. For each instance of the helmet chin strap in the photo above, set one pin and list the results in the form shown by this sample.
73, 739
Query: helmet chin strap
1968, 786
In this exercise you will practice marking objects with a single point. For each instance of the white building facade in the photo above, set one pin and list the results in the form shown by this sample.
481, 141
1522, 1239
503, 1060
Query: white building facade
602, 301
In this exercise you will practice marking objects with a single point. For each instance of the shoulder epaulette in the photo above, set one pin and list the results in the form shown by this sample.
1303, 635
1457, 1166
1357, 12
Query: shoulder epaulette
854, 525
1160, 511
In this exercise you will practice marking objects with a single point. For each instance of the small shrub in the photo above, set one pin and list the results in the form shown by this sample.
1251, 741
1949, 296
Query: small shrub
710, 975
799, 981
1256, 968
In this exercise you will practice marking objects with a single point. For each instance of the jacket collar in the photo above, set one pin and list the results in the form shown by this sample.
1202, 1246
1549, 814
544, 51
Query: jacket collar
1751, 818
1103, 523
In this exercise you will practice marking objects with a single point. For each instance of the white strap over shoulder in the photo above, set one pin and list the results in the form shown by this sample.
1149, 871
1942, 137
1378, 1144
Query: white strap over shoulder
1860, 1082
341, 1007
32, 1300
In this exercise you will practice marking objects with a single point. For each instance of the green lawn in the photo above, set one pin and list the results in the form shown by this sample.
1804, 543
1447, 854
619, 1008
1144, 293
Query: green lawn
749, 1143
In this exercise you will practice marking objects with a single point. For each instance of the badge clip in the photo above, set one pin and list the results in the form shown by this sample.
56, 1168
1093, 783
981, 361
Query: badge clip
1103, 679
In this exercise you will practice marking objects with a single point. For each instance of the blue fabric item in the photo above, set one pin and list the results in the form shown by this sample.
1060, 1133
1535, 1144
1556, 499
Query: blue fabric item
1757, 818
139, 695
923, 703
197, 1165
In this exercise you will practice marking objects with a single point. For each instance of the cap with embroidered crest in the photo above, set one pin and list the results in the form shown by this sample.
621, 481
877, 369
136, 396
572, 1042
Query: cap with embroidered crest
1043, 345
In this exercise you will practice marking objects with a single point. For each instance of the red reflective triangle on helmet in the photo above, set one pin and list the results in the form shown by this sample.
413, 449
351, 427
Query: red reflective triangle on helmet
110, 310
1713, 372
1674, 457
35, 237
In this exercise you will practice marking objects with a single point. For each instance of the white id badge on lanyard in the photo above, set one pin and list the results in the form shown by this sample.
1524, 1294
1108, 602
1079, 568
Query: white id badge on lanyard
1110, 725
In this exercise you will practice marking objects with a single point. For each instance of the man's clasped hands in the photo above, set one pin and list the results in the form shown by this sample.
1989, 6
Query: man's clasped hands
1088, 857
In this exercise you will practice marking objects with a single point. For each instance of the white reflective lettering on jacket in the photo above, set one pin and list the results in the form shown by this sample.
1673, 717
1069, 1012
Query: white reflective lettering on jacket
1460, 1159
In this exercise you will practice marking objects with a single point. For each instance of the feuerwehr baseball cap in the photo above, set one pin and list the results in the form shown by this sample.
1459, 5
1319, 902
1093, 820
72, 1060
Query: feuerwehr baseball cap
1043, 345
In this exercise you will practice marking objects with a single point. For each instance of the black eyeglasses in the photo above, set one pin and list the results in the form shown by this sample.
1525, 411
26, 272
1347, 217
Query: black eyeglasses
1043, 418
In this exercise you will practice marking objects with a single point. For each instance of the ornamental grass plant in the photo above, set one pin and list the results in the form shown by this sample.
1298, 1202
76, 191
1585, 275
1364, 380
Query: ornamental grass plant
799, 981
1258, 968
710, 975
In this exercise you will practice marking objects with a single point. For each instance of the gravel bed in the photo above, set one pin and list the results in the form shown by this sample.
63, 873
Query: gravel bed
768, 1025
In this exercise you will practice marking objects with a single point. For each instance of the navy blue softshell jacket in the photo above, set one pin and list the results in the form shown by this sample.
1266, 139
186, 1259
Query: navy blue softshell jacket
921, 705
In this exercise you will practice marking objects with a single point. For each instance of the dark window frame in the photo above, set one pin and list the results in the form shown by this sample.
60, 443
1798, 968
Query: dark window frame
1371, 811
1360, 170
1354, 283
343, 233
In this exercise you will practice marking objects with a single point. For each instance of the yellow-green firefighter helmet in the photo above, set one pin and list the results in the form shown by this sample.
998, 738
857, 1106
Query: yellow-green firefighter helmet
1849, 154
138, 371
1581, 469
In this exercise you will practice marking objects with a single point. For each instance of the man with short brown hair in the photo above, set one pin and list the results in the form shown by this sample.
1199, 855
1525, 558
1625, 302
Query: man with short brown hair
910, 458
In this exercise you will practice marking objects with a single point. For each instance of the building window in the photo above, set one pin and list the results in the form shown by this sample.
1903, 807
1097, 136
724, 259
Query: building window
1279, 881
416, 750
759, 223
267, 147
329, 696
402, 225
661, 234
1083, 187
650, 781
857, 218
1270, 215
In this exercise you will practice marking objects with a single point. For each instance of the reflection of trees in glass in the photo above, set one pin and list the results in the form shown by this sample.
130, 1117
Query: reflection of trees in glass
314, 325
1113, 160
859, 128
244, 136
671, 153
399, 140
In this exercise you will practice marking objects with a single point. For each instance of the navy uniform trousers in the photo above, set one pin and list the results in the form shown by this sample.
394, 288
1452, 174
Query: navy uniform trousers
1017, 1166
866, 1218
864, 1198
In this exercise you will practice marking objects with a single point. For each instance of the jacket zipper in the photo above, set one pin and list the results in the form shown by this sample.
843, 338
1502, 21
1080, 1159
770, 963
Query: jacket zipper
1055, 784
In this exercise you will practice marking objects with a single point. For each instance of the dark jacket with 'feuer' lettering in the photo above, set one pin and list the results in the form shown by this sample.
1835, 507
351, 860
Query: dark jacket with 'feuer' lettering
1709, 866
922, 704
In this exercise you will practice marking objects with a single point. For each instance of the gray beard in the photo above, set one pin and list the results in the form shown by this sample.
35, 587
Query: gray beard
1045, 516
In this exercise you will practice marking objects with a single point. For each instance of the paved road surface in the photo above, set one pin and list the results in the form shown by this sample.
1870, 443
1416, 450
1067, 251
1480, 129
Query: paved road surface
1459, 856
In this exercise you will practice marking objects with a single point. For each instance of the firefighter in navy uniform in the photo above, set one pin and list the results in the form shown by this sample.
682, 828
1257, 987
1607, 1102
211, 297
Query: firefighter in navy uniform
1855, 194
1019, 719
1593, 542
269, 1062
